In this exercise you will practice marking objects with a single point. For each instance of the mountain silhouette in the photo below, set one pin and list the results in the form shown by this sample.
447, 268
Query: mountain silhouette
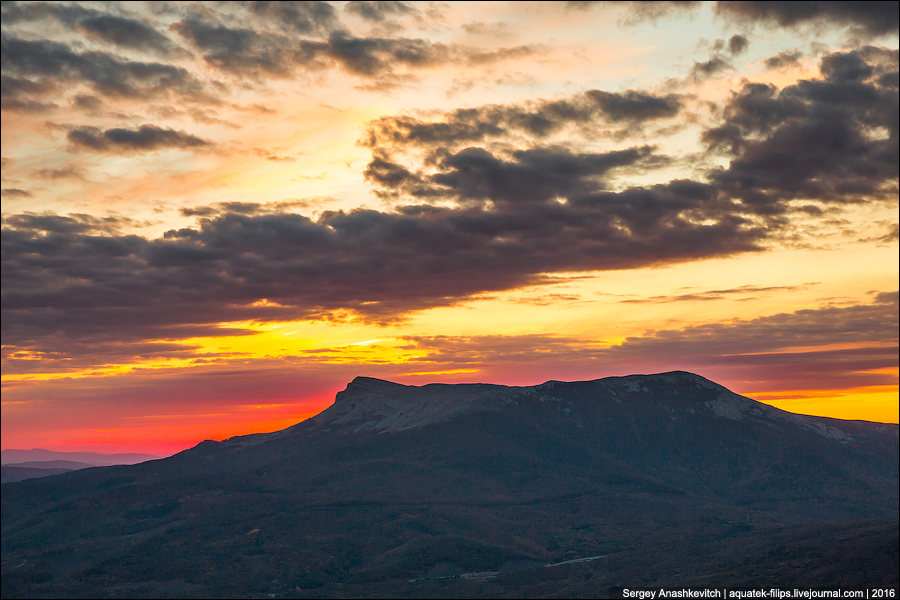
396, 490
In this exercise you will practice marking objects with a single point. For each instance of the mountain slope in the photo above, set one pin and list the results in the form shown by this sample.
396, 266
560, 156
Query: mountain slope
392, 481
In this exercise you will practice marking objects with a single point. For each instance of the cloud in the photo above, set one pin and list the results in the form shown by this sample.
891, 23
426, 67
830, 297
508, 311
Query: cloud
644, 11
126, 33
541, 174
243, 50
500, 30
536, 175
308, 18
146, 138
51, 64
623, 111
832, 139
88, 103
371, 57
73, 277
24, 95
871, 18
705, 70
737, 44
24, 12
17, 193
788, 58
378, 12
67, 172
245, 208
892, 235
708, 295
635, 106
863, 323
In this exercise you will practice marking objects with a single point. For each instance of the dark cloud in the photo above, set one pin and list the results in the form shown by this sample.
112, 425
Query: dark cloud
17, 193
704, 70
810, 141
243, 208
480, 28
309, 18
14, 13
51, 64
146, 138
891, 236
67, 172
817, 139
648, 11
373, 56
68, 277
635, 106
25, 95
831, 140
788, 58
241, 50
249, 52
88, 103
873, 18
626, 111
127, 33
536, 175
113, 29
737, 44
378, 11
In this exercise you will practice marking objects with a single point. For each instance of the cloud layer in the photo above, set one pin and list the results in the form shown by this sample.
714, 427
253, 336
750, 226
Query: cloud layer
468, 219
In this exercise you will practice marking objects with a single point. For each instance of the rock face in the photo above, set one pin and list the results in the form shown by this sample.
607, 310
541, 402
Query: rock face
392, 481
370, 404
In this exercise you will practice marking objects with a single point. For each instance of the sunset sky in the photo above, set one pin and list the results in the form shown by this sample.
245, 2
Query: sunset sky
215, 215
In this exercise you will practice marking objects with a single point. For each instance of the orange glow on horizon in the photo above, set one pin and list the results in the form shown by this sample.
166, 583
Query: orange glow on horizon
877, 403
167, 438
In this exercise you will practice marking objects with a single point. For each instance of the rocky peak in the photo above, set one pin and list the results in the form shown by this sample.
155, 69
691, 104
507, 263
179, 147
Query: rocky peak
374, 404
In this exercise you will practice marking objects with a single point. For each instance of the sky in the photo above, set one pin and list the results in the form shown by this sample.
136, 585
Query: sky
215, 215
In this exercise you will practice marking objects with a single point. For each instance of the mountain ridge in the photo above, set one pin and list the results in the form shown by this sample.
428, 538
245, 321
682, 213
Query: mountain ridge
364, 402
14, 456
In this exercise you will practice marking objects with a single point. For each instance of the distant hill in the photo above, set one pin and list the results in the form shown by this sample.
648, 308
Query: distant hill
13, 456
11, 473
38, 468
470, 490
54, 464
19, 465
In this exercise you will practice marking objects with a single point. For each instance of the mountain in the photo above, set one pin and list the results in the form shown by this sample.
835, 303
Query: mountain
19, 465
38, 468
14, 456
657, 479
11, 473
